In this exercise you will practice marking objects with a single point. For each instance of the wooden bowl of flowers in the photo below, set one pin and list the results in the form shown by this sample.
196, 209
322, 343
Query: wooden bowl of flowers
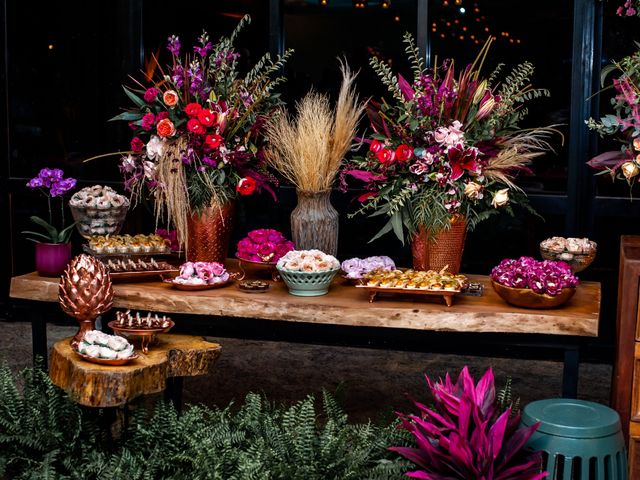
528, 283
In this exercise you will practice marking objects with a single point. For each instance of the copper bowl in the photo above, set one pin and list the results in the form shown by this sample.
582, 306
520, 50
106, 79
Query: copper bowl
527, 298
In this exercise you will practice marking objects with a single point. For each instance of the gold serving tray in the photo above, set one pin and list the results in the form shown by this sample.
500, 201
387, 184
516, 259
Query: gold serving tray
446, 294
142, 275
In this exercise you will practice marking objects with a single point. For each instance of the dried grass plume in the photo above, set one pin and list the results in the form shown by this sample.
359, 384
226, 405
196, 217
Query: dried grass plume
307, 149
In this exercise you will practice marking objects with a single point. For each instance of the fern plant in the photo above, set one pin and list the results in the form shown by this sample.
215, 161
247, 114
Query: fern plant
44, 435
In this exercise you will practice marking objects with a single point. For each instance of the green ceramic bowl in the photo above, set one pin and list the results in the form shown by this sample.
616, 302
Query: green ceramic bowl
308, 284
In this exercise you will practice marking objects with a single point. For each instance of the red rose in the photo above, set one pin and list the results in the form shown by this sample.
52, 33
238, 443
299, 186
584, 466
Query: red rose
136, 145
166, 128
194, 126
246, 186
376, 146
192, 109
213, 140
207, 117
386, 156
404, 153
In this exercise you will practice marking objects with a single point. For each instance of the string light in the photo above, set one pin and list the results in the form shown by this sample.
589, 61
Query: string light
386, 4
324, 2
396, 18
50, 46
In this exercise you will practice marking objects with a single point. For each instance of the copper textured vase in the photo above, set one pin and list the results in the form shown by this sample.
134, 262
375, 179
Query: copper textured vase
85, 292
209, 233
314, 222
439, 250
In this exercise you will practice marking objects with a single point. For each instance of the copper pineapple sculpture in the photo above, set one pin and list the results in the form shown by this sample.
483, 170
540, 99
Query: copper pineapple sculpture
85, 292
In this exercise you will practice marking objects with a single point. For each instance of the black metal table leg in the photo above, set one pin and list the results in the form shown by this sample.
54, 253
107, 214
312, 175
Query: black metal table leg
39, 335
570, 372
173, 392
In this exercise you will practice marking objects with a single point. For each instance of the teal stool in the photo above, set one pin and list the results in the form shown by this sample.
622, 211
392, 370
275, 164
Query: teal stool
580, 440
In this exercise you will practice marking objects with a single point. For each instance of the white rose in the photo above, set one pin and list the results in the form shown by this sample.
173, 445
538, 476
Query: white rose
155, 147
630, 169
500, 198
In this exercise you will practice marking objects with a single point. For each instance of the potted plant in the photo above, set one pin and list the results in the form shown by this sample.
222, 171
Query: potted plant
197, 142
467, 434
445, 152
53, 249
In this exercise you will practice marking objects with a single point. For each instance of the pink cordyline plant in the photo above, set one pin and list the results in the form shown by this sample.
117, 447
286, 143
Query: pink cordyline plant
467, 436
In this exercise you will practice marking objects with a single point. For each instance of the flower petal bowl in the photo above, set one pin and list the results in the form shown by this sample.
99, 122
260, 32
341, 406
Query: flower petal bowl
527, 298
308, 284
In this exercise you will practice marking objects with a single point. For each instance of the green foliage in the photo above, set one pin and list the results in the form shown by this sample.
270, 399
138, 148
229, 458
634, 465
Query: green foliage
505, 398
45, 435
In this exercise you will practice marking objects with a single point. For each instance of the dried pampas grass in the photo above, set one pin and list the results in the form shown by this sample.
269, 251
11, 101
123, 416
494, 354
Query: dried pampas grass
307, 150
518, 152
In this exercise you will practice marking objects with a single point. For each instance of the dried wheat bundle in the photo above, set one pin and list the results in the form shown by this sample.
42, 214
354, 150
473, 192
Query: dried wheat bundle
307, 149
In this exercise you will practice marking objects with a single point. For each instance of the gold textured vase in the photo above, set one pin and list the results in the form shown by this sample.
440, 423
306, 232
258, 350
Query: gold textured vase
85, 292
209, 233
442, 249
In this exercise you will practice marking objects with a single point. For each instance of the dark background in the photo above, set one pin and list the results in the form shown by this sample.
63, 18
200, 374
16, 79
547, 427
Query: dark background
63, 64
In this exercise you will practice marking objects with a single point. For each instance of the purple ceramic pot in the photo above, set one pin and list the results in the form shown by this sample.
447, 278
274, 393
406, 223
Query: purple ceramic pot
52, 258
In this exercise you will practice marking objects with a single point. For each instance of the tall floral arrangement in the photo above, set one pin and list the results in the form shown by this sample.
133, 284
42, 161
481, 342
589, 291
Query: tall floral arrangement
624, 123
197, 128
448, 144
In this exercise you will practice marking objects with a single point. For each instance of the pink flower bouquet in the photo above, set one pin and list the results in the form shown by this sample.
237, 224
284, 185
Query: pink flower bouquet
202, 273
264, 245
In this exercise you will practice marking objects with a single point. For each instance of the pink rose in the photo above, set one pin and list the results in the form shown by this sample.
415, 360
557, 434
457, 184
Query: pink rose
187, 270
258, 236
217, 269
283, 248
440, 135
275, 237
266, 249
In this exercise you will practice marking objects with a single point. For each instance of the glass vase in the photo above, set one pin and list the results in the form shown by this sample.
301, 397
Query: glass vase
314, 222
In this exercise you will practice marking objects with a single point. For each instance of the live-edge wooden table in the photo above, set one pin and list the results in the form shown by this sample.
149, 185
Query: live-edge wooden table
347, 306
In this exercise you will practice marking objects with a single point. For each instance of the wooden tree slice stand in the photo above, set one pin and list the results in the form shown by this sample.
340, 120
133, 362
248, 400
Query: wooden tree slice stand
96, 385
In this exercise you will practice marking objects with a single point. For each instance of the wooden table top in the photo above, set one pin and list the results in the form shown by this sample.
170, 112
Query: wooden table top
349, 306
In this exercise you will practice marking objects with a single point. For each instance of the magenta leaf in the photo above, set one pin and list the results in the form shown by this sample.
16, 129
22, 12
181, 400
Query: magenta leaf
467, 436
405, 88
365, 176
608, 160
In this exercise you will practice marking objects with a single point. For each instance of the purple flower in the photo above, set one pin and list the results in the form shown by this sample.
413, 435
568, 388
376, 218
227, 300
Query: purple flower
63, 186
35, 183
177, 76
542, 277
173, 45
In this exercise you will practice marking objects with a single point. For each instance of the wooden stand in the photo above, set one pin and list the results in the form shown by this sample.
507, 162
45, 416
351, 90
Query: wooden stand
94, 385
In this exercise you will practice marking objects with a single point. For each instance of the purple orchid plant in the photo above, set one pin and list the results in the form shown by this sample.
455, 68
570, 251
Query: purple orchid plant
52, 183
466, 435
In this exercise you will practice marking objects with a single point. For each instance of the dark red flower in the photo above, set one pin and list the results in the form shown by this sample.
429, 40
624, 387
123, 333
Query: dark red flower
192, 109
194, 126
386, 156
246, 186
461, 159
148, 121
376, 146
136, 145
213, 140
366, 196
162, 116
404, 153
207, 117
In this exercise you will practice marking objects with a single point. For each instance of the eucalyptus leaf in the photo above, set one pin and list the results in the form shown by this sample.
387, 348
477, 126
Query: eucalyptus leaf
126, 116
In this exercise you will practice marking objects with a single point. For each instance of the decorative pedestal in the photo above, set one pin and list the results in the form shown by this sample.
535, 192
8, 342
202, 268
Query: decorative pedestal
94, 385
